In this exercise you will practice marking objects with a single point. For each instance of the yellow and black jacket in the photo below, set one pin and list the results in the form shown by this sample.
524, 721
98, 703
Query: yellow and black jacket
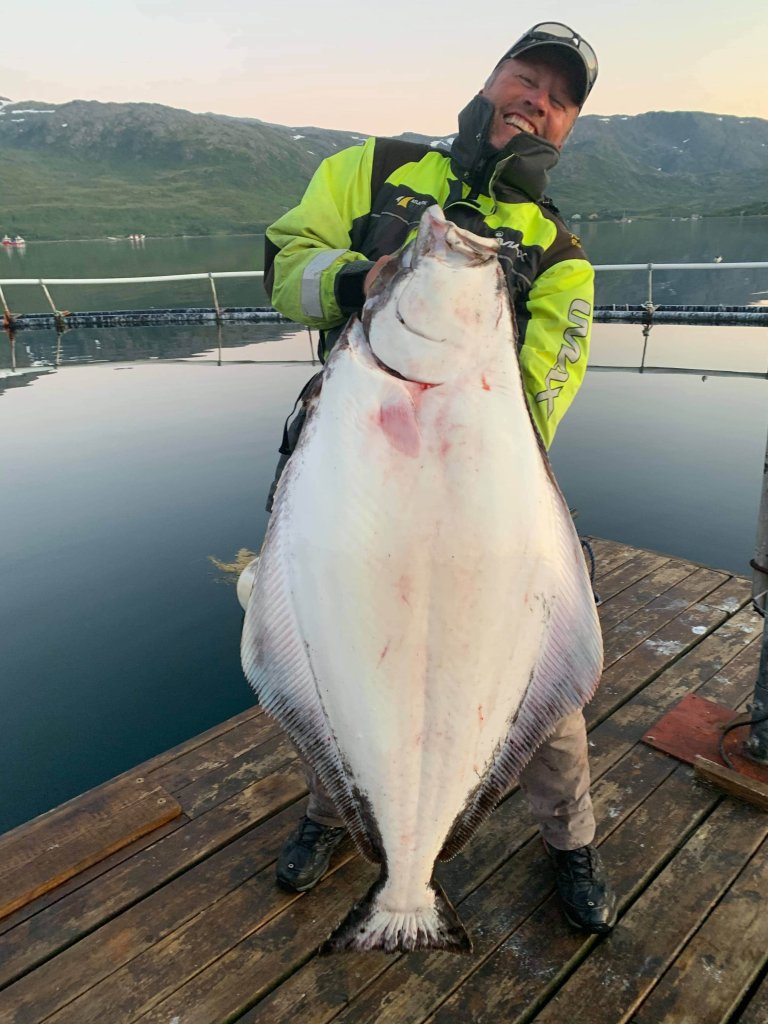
367, 201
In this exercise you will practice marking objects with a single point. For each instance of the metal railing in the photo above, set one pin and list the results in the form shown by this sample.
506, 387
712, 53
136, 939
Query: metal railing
646, 312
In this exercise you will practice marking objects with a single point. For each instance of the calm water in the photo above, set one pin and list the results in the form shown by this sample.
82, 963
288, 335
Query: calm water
122, 473
732, 239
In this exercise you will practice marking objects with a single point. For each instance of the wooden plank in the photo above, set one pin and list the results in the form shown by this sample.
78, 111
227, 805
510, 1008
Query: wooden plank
733, 783
641, 592
42, 854
140, 984
88, 875
80, 914
735, 594
718, 667
143, 770
665, 609
640, 565
756, 1010
215, 754
272, 950
220, 784
110, 952
659, 651
714, 972
609, 554
661, 921
146, 768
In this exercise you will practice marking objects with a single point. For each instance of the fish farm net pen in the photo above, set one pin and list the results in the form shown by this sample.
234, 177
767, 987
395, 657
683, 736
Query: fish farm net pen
646, 313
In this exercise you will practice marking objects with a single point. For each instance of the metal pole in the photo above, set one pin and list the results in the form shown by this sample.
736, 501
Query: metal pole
756, 746
215, 299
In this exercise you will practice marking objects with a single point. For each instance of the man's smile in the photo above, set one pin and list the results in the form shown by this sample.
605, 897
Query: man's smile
520, 121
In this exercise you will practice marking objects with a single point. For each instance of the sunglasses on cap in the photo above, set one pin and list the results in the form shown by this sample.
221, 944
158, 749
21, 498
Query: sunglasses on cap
553, 33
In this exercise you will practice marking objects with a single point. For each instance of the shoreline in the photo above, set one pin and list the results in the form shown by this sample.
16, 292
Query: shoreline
568, 218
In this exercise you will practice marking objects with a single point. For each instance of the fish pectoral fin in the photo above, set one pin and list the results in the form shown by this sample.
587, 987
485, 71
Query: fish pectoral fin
369, 926
563, 680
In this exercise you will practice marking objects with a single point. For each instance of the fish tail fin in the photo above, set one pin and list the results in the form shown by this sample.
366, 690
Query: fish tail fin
370, 926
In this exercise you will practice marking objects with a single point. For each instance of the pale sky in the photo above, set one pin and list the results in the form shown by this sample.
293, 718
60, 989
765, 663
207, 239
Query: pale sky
378, 69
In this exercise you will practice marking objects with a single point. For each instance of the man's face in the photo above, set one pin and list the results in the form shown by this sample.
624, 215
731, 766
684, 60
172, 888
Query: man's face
532, 95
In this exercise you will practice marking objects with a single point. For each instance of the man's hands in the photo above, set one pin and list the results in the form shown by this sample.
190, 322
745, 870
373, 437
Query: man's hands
373, 273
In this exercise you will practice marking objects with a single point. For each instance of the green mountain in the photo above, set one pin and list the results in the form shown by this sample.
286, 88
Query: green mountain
87, 169
665, 163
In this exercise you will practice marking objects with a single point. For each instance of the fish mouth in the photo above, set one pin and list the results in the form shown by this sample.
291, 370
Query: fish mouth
392, 372
440, 238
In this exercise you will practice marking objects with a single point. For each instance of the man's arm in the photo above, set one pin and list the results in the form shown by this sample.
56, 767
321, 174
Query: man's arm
311, 275
554, 357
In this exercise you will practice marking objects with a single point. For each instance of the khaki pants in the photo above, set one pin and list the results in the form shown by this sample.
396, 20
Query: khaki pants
556, 783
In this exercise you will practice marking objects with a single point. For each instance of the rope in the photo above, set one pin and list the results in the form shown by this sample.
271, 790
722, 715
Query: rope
736, 725
58, 314
590, 554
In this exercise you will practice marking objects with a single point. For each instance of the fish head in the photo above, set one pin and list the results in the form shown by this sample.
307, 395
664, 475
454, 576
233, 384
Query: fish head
441, 307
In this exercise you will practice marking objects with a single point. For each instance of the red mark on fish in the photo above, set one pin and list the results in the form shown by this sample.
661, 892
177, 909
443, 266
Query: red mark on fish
397, 419
480, 715
486, 385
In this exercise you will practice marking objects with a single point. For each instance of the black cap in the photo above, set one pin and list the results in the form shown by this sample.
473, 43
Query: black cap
576, 51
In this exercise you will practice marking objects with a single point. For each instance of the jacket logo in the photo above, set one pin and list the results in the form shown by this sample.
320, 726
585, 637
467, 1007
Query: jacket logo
405, 201
512, 248
570, 352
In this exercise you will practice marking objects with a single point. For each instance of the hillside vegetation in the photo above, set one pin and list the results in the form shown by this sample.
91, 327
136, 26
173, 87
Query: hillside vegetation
87, 169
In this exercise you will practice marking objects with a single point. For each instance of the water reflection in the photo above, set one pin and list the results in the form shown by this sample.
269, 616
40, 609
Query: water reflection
226, 343
123, 478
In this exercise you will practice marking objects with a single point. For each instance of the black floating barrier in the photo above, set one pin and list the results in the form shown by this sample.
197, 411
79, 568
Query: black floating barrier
756, 316
146, 317
639, 314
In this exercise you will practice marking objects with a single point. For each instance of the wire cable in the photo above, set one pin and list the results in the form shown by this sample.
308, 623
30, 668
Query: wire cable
736, 725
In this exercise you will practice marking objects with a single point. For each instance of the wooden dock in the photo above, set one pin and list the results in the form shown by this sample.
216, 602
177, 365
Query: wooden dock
152, 898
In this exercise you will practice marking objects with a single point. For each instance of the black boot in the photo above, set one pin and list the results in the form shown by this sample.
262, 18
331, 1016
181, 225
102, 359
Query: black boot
588, 901
306, 856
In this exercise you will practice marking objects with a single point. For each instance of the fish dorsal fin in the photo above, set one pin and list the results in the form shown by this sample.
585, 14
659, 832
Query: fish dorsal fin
277, 665
564, 678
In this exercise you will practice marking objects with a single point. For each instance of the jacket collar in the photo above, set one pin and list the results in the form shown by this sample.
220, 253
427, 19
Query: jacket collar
522, 165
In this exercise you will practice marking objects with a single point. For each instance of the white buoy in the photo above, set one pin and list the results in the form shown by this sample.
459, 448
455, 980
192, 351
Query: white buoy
245, 582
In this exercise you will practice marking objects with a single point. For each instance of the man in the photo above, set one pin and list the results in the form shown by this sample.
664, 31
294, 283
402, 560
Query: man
322, 257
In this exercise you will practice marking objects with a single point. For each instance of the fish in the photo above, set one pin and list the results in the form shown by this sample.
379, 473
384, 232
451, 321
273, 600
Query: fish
420, 616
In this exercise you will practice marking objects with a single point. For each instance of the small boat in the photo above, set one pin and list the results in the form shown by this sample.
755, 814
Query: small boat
17, 240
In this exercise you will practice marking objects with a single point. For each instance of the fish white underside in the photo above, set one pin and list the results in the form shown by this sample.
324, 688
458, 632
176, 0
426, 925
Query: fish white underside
423, 617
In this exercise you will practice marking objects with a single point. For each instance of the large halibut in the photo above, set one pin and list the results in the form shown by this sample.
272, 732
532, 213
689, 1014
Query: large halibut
421, 615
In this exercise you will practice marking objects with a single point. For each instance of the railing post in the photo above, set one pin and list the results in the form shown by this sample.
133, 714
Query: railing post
756, 745
215, 299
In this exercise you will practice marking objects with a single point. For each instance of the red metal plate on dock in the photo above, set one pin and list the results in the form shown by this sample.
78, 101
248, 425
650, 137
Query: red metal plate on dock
694, 727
